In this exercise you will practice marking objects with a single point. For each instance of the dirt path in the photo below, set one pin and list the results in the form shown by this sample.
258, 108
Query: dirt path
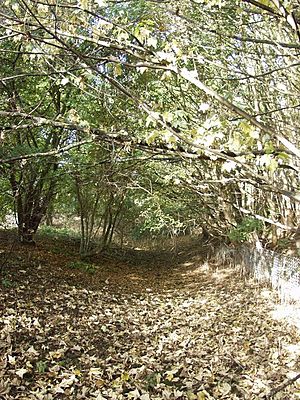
149, 328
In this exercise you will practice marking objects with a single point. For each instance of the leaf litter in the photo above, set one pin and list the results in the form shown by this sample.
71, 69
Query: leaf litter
147, 327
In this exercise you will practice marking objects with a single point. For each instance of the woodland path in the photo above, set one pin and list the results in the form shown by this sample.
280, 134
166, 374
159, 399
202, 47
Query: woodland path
150, 327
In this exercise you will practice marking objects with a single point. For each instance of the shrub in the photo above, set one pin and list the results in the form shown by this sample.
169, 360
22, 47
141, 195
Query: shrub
57, 233
82, 266
242, 232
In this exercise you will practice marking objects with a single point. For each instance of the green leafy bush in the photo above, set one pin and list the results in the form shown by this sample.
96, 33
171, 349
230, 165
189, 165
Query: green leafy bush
242, 232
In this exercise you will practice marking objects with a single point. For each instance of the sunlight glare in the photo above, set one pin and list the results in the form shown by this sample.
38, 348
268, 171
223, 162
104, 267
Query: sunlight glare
288, 312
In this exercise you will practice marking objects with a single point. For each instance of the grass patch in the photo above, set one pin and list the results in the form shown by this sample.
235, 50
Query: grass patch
58, 233
63, 240
82, 266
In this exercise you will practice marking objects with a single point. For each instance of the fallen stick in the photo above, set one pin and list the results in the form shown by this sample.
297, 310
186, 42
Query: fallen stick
281, 387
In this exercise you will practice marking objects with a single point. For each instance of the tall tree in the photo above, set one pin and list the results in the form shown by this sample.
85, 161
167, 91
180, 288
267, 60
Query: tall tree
215, 82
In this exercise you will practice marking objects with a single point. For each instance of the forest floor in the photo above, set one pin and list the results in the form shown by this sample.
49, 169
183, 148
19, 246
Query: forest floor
138, 325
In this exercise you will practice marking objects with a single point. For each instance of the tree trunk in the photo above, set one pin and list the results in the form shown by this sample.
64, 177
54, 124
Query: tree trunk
31, 199
26, 235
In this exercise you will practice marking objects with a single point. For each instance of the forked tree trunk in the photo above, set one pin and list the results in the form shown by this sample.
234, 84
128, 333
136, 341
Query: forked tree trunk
32, 199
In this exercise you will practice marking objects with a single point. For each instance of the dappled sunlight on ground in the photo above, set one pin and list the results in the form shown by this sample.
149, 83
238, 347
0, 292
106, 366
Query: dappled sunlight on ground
287, 313
198, 269
146, 328
222, 274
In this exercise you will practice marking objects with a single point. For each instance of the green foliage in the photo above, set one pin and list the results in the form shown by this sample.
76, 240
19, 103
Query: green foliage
242, 232
41, 366
82, 266
152, 380
7, 283
157, 223
58, 233
284, 243
158, 216
150, 106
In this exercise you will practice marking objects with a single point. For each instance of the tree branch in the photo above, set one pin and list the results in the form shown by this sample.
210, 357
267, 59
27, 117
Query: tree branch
46, 153
187, 75
281, 387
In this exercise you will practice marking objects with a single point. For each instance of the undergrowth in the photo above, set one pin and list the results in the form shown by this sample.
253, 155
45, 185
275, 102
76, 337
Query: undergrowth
82, 266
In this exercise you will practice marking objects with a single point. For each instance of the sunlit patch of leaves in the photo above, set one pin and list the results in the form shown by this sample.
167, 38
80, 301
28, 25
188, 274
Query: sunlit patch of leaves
197, 337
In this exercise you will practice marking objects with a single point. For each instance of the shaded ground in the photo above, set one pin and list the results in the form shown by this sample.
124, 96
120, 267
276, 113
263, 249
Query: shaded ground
143, 325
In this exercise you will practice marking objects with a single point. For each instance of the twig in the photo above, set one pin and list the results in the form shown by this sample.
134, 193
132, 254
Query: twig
281, 387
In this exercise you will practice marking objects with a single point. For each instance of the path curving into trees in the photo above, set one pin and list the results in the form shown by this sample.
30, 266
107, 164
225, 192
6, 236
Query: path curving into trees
150, 326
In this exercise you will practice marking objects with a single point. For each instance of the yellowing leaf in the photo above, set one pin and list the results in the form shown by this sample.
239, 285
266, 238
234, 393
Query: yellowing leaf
117, 70
273, 165
42, 9
169, 377
267, 3
283, 156
125, 376
84, 3
245, 127
77, 372
152, 137
95, 371
56, 354
168, 116
191, 395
